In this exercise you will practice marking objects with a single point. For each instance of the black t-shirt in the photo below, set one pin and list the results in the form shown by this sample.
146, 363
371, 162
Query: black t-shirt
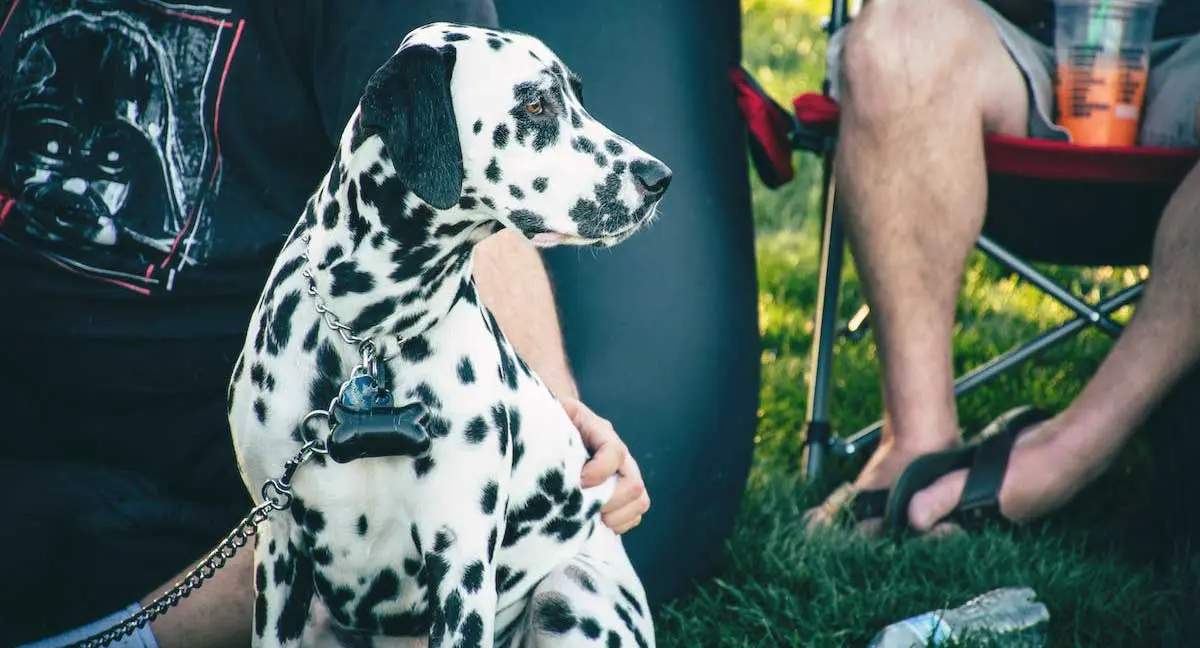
153, 157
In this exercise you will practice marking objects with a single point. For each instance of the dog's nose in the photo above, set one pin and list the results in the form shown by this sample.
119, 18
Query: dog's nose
652, 176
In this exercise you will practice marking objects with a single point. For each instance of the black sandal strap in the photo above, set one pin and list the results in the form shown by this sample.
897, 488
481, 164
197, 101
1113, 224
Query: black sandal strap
869, 504
980, 500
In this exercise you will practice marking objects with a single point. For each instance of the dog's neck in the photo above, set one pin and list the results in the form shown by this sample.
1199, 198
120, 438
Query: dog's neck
388, 265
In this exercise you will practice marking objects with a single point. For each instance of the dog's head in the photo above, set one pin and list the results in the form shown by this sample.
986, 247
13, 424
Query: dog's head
493, 121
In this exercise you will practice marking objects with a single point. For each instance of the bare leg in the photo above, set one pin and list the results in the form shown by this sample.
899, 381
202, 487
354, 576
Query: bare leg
1052, 463
922, 83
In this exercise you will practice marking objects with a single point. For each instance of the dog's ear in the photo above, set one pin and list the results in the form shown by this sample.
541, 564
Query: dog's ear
409, 100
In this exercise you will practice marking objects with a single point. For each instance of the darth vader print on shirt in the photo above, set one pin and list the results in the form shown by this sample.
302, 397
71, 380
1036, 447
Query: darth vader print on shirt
109, 147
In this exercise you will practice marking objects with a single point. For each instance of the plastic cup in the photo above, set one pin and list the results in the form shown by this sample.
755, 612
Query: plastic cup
1102, 54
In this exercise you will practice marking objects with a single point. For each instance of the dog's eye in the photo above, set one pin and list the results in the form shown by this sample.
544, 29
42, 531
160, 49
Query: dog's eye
534, 107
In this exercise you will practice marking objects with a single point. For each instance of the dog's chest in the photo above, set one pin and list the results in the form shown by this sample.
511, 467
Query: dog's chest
499, 486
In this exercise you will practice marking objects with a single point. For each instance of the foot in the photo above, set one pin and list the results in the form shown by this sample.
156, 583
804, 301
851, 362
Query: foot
1044, 472
881, 471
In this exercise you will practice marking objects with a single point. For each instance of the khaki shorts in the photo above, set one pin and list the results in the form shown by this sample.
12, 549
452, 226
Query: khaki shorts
1172, 95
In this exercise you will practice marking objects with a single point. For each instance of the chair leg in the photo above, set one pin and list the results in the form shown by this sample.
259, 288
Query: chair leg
819, 434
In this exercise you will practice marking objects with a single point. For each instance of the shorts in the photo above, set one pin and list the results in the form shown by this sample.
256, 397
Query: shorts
1172, 94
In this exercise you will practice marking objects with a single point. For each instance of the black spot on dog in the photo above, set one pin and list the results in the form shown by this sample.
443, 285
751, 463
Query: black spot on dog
373, 315
500, 136
574, 503
562, 529
625, 618
637, 607
260, 410
358, 226
613, 640
451, 230
491, 550
294, 615
362, 525
613, 147
493, 171
472, 631
282, 569
416, 349
427, 396
412, 566
528, 221
551, 483
594, 509
385, 587
260, 580
495, 43
288, 269
590, 628
348, 279
552, 613
329, 370
488, 502
405, 624
535, 509
583, 145
473, 577
310, 340
334, 598
453, 610
258, 374
467, 202
466, 371
442, 541
322, 555
601, 160
410, 262
515, 192
260, 614
478, 126
576, 119
378, 239
488, 202
540, 184
271, 548
477, 430
454, 37
281, 323
581, 577
508, 580
437, 426
618, 167
422, 466
330, 215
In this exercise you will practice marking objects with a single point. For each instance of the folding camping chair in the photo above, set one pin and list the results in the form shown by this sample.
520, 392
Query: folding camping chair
1087, 206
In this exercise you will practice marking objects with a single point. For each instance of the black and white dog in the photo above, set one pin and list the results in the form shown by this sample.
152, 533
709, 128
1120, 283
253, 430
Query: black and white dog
459, 520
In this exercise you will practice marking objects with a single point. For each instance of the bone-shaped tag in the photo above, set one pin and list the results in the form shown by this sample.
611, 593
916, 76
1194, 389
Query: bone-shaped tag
377, 432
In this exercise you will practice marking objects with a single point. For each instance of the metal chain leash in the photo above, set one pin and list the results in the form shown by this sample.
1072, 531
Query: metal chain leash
277, 496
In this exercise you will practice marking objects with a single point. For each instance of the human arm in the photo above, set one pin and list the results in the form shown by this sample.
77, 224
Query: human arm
513, 283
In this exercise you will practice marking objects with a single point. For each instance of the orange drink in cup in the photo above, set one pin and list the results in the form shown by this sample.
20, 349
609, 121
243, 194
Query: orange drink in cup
1102, 52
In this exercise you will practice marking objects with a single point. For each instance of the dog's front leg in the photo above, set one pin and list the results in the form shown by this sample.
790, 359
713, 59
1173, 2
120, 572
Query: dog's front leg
462, 592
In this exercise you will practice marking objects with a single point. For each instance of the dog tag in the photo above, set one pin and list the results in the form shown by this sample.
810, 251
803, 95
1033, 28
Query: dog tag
362, 393
377, 432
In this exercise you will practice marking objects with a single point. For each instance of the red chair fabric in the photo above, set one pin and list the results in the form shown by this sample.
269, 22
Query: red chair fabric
770, 129
1041, 159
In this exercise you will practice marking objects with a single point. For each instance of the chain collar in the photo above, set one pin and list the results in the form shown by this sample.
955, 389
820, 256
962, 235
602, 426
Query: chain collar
331, 320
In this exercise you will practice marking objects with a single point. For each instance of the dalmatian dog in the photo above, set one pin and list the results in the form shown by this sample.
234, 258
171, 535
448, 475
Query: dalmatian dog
480, 534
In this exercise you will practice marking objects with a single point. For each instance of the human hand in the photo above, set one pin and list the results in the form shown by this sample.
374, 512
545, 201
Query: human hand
629, 501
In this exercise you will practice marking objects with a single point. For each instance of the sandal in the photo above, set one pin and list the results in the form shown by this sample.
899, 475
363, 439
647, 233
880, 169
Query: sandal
985, 458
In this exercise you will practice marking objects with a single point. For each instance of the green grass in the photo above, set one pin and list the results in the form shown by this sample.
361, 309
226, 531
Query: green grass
1091, 563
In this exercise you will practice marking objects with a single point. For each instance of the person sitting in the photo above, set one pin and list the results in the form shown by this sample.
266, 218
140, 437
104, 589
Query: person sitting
919, 85
153, 159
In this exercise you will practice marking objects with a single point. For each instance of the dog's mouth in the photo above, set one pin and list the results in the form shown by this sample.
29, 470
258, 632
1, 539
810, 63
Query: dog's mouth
555, 239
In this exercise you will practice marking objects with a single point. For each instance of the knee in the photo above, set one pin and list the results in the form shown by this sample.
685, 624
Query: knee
900, 54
